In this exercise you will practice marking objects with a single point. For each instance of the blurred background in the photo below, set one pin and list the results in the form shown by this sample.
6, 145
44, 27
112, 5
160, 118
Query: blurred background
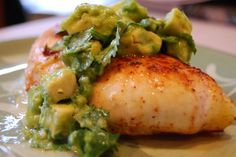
19, 11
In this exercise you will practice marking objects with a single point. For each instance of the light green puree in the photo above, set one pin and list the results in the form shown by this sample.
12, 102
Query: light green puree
59, 115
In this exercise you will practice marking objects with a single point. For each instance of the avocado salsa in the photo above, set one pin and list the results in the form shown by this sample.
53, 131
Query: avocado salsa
59, 115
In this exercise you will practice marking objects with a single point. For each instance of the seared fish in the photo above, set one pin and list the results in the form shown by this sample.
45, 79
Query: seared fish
153, 94
146, 95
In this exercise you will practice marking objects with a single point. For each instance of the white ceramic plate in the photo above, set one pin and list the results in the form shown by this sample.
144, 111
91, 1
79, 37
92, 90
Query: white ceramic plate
12, 107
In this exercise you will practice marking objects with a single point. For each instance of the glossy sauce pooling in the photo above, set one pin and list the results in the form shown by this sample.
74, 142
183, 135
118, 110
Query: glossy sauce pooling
11, 119
10, 128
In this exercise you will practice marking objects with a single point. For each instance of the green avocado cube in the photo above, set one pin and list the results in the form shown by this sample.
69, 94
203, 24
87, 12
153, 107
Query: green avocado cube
60, 85
58, 120
85, 16
137, 40
177, 22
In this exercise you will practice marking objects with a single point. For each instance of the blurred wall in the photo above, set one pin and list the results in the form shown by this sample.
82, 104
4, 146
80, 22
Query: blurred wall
11, 12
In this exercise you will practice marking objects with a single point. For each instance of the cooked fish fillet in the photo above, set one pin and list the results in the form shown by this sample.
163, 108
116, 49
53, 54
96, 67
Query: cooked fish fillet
153, 94
41, 62
146, 95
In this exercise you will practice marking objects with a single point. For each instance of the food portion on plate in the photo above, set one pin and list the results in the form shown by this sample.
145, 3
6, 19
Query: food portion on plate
106, 71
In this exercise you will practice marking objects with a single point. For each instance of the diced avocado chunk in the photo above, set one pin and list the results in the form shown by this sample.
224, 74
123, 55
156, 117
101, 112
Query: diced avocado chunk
96, 47
85, 16
153, 25
89, 143
91, 117
131, 9
31, 119
35, 100
137, 40
60, 85
180, 50
80, 100
177, 22
58, 120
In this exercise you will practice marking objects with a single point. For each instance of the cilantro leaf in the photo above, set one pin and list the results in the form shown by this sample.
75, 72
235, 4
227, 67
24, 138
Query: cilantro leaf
98, 36
76, 43
104, 57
